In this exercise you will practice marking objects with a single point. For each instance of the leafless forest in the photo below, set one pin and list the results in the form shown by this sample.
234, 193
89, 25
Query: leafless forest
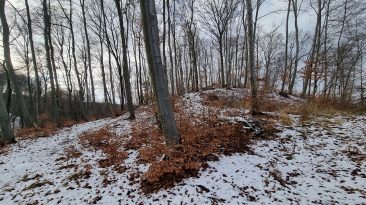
65, 62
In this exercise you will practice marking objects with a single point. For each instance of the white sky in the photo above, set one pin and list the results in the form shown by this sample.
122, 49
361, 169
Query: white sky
275, 8
306, 19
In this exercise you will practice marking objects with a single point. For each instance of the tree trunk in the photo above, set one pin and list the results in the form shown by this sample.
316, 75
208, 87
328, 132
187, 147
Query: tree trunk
106, 109
80, 93
34, 59
9, 90
7, 57
170, 49
222, 69
294, 72
109, 48
362, 86
339, 68
126, 72
253, 77
286, 48
82, 2
311, 61
53, 63
326, 64
151, 33
46, 33
164, 38
6, 133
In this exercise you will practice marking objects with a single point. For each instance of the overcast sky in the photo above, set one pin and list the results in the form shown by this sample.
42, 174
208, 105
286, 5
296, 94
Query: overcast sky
272, 13
306, 18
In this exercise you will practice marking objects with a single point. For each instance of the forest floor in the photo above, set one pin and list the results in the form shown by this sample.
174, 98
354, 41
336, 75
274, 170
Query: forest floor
301, 159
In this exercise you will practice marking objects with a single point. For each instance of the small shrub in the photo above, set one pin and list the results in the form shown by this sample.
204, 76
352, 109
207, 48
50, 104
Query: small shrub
305, 111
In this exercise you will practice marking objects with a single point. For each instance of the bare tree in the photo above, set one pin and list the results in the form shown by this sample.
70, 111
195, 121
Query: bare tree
270, 45
219, 15
253, 77
126, 72
34, 59
47, 36
286, 47
88, 47
312, 62
160, 84
9, 65
296, 10
190, 29
80, 94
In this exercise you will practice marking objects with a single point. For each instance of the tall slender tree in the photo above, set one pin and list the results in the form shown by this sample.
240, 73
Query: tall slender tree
160, 84
284, 77
296, 10
9, 65
34, 58
47, 36
88, 48
220, 15
251, 39
126, 72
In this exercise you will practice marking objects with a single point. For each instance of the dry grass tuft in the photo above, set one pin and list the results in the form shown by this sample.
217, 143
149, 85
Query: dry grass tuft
285, 119
324, 106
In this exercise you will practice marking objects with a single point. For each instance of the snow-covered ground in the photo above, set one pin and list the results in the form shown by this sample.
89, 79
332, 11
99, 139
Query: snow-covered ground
321, 162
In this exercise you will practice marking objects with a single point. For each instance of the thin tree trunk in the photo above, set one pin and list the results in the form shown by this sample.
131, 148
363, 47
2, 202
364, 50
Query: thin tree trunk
326, 64
253, 78
310, 66
286, 48
222, 69
103, 73
109, 48
82, 2
52, 56
164, 38
126, 72
294, 72
170, 50
34, 59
